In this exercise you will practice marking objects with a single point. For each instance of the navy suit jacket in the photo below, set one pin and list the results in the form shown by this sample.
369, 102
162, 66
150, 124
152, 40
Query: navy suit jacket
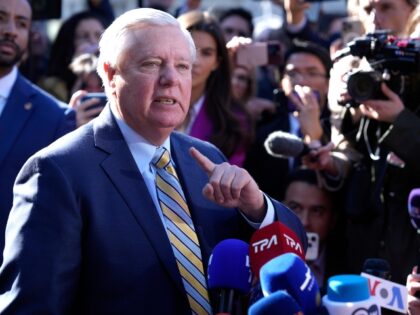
84, 236
30, 121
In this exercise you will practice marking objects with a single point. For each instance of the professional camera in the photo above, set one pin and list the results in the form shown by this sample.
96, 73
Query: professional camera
391, 60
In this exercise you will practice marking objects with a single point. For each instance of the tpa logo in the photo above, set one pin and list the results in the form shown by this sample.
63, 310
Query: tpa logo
265, 244
293, 244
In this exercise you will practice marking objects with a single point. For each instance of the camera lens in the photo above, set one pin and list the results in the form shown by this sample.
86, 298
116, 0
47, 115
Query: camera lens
364, 86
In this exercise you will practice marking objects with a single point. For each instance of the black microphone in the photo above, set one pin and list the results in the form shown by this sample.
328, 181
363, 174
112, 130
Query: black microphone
284, 145
377, 267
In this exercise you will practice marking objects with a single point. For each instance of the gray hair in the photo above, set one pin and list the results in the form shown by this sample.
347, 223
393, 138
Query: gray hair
112, 42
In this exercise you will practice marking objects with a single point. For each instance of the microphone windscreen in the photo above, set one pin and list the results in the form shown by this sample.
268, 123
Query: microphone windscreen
349, 294
277, 303
414, 207
271, 241
377, 267
284, 145
229, 266
290, 273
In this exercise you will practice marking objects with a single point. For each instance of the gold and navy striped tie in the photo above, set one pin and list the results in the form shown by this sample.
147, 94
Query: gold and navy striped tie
181, 232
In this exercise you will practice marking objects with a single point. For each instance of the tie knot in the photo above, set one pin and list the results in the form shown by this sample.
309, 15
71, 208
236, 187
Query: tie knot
161, 158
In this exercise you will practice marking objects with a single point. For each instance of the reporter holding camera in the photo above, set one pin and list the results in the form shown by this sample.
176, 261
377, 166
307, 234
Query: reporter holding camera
377, 156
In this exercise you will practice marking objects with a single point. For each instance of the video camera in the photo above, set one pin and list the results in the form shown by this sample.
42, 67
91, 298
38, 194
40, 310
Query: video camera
392, 60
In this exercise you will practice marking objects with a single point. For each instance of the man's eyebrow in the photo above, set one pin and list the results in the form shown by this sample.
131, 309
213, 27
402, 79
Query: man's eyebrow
311, 68
20, 17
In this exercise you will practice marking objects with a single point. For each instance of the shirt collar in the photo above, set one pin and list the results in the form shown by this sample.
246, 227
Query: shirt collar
142, 149
195, 108
7, 82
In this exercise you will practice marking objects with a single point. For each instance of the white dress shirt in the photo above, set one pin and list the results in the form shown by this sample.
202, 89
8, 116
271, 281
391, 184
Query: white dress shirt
6, 85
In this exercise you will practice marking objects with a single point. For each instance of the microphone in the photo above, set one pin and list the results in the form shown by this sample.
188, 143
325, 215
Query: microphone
414, 207
277, 303
389, 295
284, 145
229, 273
348, 295
271, 241
290, 273
377, 267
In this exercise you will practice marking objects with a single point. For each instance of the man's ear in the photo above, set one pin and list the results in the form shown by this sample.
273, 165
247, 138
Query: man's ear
110, 72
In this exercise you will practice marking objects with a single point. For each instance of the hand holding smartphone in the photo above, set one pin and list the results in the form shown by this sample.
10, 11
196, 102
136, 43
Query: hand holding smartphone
101, 100
259, 54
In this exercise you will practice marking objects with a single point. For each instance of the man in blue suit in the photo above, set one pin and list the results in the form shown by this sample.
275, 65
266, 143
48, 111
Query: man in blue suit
29, 118
88, 232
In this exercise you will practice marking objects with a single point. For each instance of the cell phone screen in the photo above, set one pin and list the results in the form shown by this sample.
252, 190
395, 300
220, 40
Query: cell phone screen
101, 96
254, 54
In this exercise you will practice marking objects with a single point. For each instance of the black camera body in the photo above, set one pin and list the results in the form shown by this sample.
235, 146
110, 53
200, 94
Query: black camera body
394, 61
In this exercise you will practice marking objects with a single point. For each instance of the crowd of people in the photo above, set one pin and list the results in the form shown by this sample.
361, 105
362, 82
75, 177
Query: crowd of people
99, 201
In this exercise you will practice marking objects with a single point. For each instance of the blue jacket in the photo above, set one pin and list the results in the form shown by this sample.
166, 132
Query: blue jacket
93, 241
30, 121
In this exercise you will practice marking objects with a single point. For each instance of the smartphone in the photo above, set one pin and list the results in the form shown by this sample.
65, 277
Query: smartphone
101, 96
254, 54
351, 28
259, 54
313, 246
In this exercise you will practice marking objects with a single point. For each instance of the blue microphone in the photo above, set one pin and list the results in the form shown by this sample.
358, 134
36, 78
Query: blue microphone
229, 273
290, 273
349, 294
279, 302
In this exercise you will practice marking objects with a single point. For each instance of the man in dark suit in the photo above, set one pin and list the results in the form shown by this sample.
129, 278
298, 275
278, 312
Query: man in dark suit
89, 232
29, 118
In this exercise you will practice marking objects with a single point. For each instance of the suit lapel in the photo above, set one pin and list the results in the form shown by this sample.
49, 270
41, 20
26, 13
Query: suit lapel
15, 114
123, 172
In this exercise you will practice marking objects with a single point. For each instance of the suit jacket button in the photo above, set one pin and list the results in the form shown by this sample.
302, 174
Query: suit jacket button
27, 106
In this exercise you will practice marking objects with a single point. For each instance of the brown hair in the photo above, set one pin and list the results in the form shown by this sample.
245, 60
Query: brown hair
229, 133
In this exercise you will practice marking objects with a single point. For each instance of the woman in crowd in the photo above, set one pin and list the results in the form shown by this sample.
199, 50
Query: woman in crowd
78, 35
213, 116
243, 84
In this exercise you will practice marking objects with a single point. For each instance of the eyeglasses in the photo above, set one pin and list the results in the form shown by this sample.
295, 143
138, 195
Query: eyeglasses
293, 74
233, 31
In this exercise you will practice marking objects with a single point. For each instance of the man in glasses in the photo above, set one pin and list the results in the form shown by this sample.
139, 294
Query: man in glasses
301, 110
